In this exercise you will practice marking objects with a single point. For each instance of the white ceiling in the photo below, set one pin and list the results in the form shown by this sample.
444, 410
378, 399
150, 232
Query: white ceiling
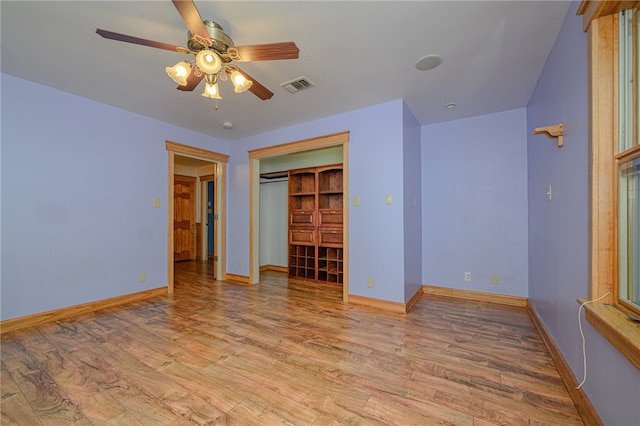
358, 53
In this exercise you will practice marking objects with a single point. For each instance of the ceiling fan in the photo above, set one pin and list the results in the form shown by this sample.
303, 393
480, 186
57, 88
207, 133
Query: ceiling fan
214, 53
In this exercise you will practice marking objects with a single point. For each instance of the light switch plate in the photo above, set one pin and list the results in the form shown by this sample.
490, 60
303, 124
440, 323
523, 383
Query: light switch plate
388, 199
356, 201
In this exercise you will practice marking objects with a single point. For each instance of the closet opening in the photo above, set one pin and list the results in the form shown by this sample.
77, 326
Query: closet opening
270, 233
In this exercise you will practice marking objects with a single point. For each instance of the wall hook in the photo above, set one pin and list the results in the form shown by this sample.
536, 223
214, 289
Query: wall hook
552, 132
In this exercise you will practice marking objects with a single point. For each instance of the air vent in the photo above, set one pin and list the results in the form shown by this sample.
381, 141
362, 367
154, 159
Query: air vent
298, 84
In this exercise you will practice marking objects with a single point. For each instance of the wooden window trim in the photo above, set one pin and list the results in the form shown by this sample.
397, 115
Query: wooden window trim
600, 21
592, 10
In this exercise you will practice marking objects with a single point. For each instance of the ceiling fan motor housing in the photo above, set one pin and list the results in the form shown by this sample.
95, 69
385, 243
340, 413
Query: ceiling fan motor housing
220, 40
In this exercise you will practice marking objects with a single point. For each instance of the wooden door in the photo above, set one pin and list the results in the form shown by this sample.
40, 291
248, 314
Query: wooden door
184, 217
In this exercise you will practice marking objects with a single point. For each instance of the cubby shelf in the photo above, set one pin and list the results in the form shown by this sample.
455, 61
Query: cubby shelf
330, 264
302, 261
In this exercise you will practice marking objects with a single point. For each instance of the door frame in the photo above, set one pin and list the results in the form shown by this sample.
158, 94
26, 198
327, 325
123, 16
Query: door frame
311, 144
204, 214
221, 160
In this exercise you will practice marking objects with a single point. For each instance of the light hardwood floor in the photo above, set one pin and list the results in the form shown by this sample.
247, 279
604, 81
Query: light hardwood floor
282, 352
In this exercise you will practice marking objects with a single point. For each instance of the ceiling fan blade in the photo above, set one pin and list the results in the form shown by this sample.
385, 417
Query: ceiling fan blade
256, 88
266, 52
136, 40
191, 17
192, 82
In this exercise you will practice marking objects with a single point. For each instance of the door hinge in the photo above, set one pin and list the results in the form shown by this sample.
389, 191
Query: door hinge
215, 258
215, 217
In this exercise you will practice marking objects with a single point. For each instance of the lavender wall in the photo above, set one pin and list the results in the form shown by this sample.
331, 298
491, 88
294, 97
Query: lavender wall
375, 169
78, 182
558, 228
474, 201
412, 204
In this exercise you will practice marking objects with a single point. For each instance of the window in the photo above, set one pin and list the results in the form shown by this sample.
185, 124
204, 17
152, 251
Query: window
615, 159
629, 233
628, 161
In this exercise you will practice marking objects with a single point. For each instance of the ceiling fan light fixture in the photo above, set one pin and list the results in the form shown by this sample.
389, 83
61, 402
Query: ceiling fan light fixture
240, 83
179, 72
211, 51
208, 61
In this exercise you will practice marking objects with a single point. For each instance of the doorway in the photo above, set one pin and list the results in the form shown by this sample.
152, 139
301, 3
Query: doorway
332, 140
209, 167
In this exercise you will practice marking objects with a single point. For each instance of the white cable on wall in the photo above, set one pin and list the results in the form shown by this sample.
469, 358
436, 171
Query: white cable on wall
584, 351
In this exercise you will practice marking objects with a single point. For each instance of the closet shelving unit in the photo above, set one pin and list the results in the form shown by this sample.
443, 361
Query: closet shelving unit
316, 224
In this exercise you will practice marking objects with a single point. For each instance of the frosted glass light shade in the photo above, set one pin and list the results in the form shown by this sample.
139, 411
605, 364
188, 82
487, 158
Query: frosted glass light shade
208, 61
240, 83
179, 72
211, 91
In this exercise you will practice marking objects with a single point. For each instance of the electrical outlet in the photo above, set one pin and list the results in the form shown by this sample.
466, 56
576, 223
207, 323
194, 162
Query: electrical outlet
142, 277
495, 279
240, 264
370, 282
467, 276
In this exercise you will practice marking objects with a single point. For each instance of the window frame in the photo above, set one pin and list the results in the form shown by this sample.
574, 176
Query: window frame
622, 158
606, 315
628, 149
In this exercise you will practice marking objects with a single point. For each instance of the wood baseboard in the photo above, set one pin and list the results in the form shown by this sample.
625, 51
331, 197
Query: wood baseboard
378, 304
475, 296
414, 299
71, 311
385, 305
236, 279
585, 409
274, 268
